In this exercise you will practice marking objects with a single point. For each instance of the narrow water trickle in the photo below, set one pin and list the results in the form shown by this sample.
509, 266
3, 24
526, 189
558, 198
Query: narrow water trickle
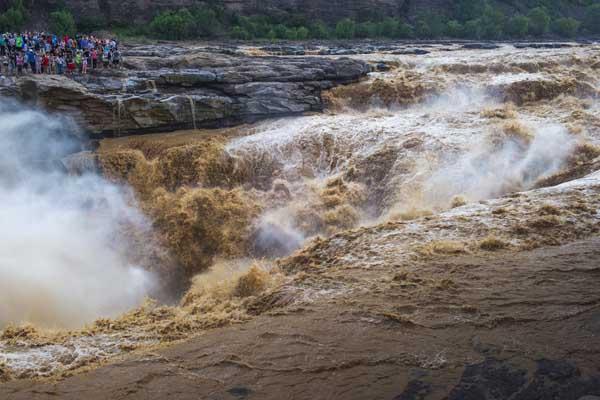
193, 110
152, 86
118, 115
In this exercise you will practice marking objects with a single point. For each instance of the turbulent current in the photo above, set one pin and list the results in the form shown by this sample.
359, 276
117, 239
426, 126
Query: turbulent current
426, 146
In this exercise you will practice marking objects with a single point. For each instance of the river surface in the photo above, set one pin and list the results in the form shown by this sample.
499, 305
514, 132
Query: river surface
433, 234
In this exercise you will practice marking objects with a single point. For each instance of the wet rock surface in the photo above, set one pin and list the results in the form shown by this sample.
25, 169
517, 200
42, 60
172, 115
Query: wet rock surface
166, 88
336, 349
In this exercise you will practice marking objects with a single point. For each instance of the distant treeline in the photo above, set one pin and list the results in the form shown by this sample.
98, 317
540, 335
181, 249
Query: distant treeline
468, 19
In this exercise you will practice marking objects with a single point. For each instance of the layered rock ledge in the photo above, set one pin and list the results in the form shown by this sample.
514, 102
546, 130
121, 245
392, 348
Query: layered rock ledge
162, 88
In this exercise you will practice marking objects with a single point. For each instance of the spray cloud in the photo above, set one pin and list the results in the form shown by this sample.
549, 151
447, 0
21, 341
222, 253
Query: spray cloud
63, 257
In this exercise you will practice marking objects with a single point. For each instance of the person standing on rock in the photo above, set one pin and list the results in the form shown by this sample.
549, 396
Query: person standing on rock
45, 64
116, 58
84, 65
94, 56
79, 61
60, 65
2, 45
31, 60
19, 62
70, 65
38, 64
106, 57
19, 42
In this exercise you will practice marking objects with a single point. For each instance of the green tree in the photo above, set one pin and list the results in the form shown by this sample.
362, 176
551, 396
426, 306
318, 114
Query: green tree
366, 30
423, 30
473, 29
566, 27
345, 29
518, 26
206, 22
388, 28
455, 29
592, 18
14, 18
173, 25
492, 22
291, 34
319, 30
302, 33
237, 32
539, 21
465, 10
62, 23
405, 31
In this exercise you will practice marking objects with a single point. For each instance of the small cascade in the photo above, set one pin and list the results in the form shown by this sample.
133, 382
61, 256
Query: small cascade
151, 84
124, 85
193, 110
118, 115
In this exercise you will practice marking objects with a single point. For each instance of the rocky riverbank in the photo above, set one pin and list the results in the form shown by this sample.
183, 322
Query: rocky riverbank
164, 88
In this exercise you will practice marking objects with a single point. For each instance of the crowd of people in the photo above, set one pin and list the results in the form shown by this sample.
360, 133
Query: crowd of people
43, 53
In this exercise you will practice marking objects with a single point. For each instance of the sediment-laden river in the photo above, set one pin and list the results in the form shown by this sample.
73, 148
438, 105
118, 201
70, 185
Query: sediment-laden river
429, 230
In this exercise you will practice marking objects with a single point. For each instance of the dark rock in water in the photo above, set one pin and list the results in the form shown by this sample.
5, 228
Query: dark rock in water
240, 392
416, 52
164, 89
382, 67
491, 379
542, 45
495, 380
480, 46
415, 389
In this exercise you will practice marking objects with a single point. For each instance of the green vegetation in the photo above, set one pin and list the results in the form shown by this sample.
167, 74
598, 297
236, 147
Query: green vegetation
539, 21
466, 19
592, 19
14, 18
62, 23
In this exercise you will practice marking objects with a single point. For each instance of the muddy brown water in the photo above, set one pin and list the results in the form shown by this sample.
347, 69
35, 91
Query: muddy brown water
543, 342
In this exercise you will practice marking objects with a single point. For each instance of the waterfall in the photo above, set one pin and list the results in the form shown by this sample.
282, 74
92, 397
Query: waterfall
193, 110
118, 114
151, 84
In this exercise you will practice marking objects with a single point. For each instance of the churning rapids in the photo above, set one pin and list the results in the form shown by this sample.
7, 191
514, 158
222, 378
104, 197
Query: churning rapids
443, 157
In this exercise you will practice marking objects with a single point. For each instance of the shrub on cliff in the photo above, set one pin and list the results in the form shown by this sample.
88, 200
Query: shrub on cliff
566, 27
592, 19
14, 18
345, 29
173, 25
539, 21
186, 24
455, 29
492, 22
319, 30
62, 23
237, 32
518, 26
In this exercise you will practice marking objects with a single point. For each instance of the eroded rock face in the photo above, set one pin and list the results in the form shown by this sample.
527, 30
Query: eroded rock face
166, 89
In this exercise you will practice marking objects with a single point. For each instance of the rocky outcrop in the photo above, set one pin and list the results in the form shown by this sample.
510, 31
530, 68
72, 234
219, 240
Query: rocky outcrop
164, 88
